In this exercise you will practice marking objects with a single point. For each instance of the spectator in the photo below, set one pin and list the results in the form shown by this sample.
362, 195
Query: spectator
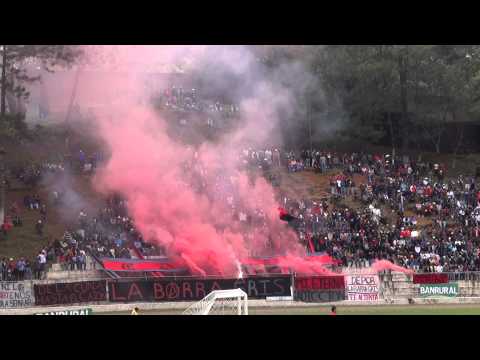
43, 212
20, 267
82, 260
41, 263
28, 270
17, 221
6, 226
39, 227
4, 269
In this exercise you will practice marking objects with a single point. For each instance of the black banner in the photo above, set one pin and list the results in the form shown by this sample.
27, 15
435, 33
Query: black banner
70, 293
319, 296
197, 289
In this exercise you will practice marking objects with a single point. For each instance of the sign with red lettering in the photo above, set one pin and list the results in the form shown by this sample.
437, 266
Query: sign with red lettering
15, 294
303, 283
362, 287
196, 289
70, 293
430, 278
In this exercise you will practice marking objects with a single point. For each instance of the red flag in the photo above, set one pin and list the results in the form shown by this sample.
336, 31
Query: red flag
310, 243
284, 215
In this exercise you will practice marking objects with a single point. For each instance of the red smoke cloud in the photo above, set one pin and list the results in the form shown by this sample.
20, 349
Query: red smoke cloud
146, 166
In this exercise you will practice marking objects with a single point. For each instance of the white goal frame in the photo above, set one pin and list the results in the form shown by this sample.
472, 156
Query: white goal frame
217, 301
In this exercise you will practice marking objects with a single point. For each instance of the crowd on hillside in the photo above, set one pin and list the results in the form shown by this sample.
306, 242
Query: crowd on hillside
409, 214
109, 233
29, 177
400, 209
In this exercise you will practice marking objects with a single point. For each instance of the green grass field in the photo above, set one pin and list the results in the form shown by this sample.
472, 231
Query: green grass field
344, 310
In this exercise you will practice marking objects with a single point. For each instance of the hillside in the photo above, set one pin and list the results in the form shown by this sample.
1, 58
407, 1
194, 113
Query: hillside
23, 241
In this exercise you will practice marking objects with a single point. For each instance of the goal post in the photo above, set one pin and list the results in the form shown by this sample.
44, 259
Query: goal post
221, 302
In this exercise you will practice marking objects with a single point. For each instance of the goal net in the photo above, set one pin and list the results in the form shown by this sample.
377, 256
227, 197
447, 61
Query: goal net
221, 302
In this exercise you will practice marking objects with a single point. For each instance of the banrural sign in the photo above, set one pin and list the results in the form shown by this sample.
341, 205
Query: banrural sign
86, 311
449, 290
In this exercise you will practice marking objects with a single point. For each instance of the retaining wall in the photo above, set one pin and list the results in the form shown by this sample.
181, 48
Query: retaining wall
395, 288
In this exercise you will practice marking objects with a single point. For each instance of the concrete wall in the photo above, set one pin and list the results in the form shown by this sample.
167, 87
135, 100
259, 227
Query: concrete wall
400, 286
395, 288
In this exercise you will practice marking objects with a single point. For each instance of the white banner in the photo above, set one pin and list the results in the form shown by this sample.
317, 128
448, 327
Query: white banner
16, 295
362, 287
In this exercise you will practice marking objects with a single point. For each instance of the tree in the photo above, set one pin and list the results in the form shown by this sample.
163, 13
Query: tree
356, 75
414, 91
18, 61
445, 91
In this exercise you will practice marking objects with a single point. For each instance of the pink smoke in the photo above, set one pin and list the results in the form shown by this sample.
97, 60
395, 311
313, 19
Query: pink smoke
148, 168
381, 265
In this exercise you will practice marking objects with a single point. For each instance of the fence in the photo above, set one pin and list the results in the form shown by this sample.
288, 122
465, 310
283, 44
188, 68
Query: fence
305, 288
464, 276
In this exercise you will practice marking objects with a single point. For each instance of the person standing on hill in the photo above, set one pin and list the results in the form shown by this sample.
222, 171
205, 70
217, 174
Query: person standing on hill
41, 264
39, 227
3, 269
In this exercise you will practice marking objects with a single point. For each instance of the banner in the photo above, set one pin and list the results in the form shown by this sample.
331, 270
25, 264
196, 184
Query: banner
15, 295
147, 274
141, 265
320, 296
430, 278
70, 293
362, 287
190, 290
86, 311
449, 290
303, 283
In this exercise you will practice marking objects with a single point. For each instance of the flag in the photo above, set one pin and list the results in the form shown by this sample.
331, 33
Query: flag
284, 215
310, 243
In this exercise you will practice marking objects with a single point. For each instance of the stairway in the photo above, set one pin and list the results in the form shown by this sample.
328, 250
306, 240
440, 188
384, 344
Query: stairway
61, 272
396, 285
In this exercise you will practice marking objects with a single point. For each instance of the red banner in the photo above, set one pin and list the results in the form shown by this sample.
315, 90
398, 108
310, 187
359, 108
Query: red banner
140, 265
320, 283
264, 264
430, 278
261, 261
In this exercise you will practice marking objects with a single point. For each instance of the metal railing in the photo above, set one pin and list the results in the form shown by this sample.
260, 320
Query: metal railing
464, 276
456, 276
151, 275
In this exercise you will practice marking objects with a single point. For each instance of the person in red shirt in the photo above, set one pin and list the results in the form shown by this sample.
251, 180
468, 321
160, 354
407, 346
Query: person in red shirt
6, 226
428, 191
333, 311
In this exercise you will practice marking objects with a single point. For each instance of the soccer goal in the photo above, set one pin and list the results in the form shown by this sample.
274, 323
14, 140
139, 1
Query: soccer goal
221, 302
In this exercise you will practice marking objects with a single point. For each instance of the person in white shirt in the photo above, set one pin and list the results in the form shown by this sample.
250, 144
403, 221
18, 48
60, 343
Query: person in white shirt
41, 261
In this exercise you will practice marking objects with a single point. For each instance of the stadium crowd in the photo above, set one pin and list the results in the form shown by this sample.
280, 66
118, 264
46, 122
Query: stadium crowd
409, 213
401, 210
